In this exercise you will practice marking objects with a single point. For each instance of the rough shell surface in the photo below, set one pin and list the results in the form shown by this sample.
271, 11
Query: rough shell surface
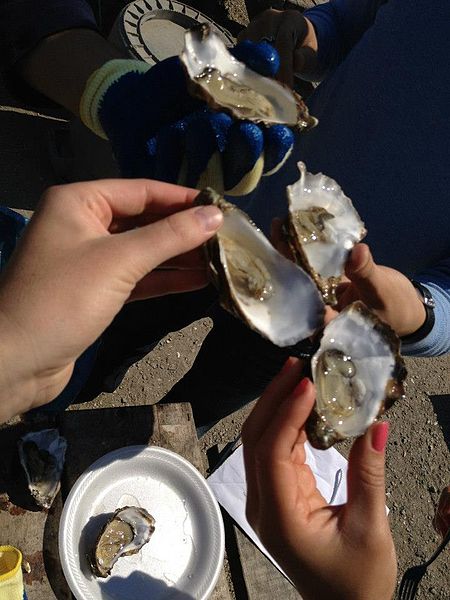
225, 83
42, 456
323, 227
358, 373
124, 534
270, 293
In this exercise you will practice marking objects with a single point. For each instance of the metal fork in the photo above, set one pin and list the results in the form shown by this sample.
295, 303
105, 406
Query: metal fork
411, 578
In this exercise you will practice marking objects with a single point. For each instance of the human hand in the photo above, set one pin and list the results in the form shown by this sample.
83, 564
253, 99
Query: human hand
294, 38
157, 129
441, 521
91, 247
386, 291
340, 552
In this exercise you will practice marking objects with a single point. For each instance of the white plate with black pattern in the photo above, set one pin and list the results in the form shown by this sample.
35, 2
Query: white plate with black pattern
153, 30
184, 557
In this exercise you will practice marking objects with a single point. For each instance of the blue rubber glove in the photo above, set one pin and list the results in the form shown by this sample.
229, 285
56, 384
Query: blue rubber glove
158, 130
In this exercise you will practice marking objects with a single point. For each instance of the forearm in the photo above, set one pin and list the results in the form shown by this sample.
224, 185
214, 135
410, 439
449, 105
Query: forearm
61, 64
339, 24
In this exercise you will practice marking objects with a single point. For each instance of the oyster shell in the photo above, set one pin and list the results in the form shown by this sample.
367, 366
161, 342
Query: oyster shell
270, 293
323, 227
124, 534
42, 455
358, 373
225, 83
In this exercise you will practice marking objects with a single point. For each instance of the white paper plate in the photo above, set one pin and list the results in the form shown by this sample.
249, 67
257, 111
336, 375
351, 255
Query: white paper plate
184, 556
153, 30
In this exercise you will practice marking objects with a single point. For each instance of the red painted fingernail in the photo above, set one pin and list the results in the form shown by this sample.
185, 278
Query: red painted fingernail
301, 387
380, 433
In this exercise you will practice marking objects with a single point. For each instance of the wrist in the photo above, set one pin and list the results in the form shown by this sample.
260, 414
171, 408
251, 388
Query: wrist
18, 384
424, 316
98, 85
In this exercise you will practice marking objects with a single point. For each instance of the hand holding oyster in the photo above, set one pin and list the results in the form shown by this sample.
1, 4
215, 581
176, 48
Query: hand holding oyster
358, 369
226, 83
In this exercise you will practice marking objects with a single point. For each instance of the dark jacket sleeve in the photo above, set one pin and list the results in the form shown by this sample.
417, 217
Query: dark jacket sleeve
24, 23
339, 24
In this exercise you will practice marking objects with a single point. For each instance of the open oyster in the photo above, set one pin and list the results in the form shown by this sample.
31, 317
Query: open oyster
42, 455
225, 83
124, 534
323, 227
270, 293
358, 373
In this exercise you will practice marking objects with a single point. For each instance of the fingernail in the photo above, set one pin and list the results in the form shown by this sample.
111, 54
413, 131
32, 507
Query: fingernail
302, 386
209, 217
287, 365
380, 433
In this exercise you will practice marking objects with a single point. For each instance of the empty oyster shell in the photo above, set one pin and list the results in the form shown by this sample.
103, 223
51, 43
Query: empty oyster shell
358, 373
323, 227
270, 293
42, 455
225, 83
124, 534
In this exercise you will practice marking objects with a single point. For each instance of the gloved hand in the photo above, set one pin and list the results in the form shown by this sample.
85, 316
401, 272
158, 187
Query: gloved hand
295, 39
158, 130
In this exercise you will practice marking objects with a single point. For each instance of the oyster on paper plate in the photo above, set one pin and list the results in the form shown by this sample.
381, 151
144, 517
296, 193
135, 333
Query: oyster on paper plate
256, 283
124, 534
225, 83
323, 226
358, 373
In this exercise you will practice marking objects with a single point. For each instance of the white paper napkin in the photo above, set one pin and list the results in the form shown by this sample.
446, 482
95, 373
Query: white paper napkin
229, 487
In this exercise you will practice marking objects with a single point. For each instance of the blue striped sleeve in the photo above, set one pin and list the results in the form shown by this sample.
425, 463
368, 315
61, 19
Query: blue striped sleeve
437, 342
339, 24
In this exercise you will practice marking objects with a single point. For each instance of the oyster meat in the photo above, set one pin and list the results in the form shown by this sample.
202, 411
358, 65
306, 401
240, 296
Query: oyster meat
323, 226
270, 293
42, 456
225, 83
358, 373
124, 534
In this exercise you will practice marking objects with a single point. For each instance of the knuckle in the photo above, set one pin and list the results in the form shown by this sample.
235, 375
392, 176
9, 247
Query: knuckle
174, 226
371, 475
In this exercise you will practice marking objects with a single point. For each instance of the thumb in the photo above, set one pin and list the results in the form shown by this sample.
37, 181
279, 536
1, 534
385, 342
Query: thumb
360, 264
149, 246
305, 62
366, 487
365, 274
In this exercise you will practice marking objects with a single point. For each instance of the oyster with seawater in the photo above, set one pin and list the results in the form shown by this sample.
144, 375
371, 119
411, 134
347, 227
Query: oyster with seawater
358, 372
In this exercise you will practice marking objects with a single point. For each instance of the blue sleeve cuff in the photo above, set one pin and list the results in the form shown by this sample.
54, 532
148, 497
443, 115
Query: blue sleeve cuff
24, 23
437, 342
